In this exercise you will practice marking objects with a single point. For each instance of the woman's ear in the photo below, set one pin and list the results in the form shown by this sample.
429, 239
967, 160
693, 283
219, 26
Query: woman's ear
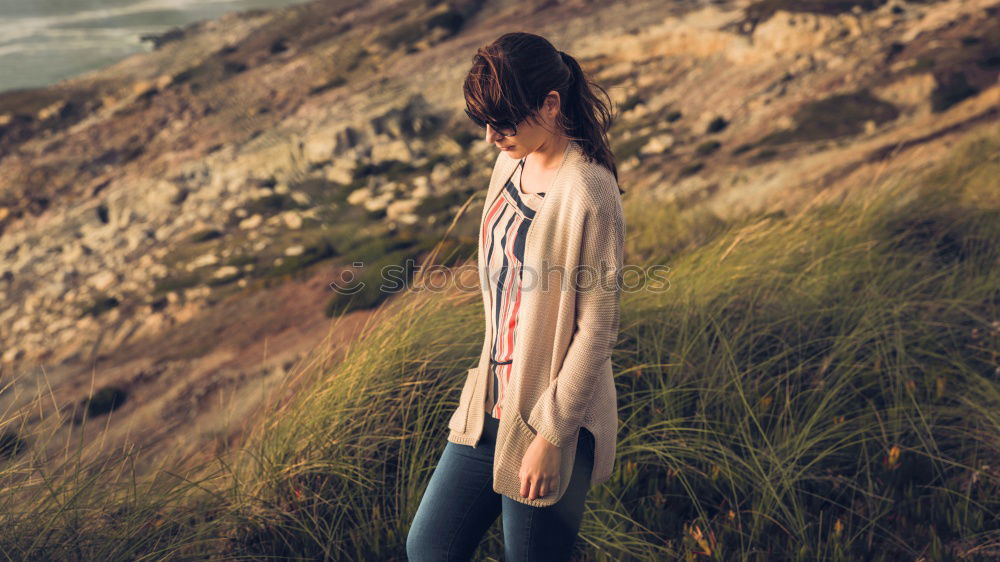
552, 103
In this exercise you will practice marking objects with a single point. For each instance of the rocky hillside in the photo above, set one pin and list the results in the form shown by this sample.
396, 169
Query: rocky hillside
170, 226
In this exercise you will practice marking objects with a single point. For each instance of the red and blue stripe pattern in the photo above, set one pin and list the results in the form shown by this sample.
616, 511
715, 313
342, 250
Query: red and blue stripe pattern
504, 232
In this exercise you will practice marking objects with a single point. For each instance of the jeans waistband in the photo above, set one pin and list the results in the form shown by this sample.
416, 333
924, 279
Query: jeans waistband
491, 426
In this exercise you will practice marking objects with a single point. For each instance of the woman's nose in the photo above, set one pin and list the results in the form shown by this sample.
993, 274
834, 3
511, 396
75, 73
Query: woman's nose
492, 135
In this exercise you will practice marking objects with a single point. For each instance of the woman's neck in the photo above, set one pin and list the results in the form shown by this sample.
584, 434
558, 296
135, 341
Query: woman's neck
549, 155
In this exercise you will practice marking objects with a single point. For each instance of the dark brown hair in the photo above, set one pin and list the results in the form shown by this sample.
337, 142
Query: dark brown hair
511, 76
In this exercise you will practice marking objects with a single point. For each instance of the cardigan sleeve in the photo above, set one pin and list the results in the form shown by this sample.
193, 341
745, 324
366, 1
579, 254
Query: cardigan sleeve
558, 414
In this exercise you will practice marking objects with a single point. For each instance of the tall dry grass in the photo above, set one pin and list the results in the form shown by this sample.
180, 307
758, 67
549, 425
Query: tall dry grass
817, 385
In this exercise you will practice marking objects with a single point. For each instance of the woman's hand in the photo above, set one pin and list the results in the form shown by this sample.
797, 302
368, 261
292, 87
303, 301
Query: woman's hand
540, 469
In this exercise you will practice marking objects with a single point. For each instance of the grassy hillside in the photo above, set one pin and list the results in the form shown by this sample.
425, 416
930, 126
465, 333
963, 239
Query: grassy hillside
821, 384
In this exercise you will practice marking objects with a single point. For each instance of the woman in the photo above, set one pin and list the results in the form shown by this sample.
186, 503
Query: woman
537, 422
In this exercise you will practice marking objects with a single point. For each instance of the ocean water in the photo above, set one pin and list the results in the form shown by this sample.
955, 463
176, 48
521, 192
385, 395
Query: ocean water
44, 41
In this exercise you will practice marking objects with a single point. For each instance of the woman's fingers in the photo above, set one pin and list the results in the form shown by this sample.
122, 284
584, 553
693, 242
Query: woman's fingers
551, 485
530, 487
538, 487
539, 484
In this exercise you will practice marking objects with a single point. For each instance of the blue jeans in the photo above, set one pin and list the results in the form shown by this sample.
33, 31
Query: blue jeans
459, 506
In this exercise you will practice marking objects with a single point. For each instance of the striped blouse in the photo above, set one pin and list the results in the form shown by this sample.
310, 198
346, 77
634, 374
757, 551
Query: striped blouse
504, 233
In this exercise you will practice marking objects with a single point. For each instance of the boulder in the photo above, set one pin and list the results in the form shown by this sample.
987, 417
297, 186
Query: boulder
319, 146
396, 209
392, 150
102, 280
658, 144
250, 223
359, 196
225, 271
379, 202
202, 261
292, 219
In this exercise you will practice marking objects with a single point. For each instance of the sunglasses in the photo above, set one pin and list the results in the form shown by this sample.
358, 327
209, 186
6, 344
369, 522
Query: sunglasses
504, 128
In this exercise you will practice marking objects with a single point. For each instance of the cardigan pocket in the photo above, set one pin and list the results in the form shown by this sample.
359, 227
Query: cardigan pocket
513, 440
525, 434
460, 417
512, 446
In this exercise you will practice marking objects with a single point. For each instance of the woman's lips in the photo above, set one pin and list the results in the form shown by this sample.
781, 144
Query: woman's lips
506, 147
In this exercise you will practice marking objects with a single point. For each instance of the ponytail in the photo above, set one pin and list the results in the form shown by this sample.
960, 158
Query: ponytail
586, 118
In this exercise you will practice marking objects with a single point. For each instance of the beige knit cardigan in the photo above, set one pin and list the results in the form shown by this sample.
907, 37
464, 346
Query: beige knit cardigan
568, 323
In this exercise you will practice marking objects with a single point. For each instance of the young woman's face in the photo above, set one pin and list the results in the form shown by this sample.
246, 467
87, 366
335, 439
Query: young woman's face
532, 132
